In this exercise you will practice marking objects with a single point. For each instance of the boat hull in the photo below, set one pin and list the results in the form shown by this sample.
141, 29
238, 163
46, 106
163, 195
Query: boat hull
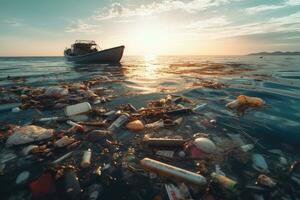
112, 55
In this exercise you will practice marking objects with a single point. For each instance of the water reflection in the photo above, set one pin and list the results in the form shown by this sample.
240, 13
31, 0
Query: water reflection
146, 75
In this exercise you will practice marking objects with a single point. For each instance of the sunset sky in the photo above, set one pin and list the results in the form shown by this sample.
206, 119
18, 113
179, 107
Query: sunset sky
166, 27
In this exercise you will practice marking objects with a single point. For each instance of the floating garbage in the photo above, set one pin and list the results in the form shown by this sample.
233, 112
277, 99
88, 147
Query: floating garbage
266, 181
28, 149
225, 181
22, 177
165, 153
135, 125
172, 171
259, 163
86, 158
200, 147
155, 125
64, 141
89, 161
77, 109
121, 120
161, 142
244, 100
27, 134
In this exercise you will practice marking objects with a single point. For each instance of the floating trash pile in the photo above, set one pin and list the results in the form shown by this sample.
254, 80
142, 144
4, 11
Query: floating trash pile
81, 153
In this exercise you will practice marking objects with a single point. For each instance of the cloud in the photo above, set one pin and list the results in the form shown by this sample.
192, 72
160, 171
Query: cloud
266, 7
81, 27
118, 10
14, 22
212, 29
209, 23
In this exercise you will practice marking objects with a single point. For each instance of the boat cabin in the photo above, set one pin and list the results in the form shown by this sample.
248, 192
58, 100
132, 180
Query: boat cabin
81, 47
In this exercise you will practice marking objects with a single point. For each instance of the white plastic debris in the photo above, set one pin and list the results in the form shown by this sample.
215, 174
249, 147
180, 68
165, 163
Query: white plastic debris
259, 163
205, 145
27, 134
79, 108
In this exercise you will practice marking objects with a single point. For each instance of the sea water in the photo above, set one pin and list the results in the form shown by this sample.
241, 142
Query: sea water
138, 79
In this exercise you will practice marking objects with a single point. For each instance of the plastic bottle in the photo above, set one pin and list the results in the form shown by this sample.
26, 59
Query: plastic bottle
86, 158
122, 119
79, 108
225, 181
172, 171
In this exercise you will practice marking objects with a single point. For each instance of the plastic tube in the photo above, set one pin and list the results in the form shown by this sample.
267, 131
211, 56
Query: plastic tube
172, 171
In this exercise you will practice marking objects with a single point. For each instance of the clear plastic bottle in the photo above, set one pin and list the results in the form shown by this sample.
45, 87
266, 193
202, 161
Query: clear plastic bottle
121, 120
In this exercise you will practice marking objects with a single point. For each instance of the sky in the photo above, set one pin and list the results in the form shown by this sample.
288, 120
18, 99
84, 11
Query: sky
145, 27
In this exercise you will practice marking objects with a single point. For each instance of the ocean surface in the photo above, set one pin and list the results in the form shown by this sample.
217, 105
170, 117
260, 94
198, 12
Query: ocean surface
275, 79
215, 80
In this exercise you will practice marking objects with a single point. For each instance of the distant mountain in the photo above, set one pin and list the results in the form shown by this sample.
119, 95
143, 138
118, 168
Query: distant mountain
276, 53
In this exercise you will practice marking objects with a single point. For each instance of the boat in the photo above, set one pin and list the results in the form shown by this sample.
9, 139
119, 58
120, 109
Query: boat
87, 51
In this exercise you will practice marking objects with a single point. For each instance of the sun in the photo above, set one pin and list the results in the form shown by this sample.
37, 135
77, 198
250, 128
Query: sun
150, 39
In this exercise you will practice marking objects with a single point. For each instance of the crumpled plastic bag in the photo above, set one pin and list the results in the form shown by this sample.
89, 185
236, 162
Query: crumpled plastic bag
27, 134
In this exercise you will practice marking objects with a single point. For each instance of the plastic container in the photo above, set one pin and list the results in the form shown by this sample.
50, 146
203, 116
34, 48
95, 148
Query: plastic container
172, 171
86, 158
122, 119
77, 109
225, 181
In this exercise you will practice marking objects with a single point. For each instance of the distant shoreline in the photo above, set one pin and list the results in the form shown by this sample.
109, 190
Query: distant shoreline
276, 53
